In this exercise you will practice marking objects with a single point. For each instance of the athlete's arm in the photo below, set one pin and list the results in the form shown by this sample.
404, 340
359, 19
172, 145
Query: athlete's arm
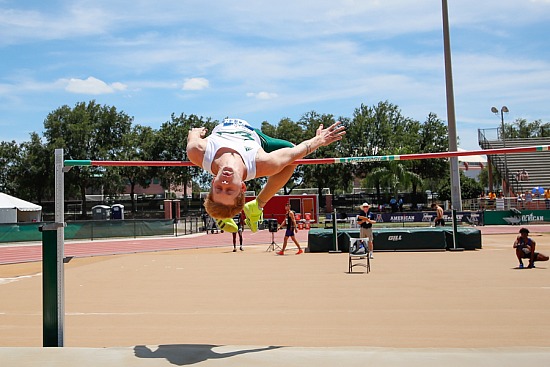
268, 164
196, 145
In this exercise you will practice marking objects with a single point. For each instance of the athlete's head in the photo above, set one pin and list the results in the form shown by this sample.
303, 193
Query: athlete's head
226, 196
221, 211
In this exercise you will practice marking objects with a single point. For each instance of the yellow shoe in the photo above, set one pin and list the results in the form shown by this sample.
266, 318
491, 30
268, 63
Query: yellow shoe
253, 215
227, 225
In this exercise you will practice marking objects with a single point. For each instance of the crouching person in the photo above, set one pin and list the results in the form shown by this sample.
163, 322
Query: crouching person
525, 249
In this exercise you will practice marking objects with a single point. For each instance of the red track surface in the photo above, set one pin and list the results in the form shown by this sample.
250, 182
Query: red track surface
20, 253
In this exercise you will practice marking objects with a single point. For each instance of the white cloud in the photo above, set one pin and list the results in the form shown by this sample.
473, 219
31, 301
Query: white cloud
119, 86
92, 86
262, 95
196, 84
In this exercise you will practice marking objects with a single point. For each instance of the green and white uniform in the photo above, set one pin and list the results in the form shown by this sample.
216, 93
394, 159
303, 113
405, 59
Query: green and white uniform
239, 136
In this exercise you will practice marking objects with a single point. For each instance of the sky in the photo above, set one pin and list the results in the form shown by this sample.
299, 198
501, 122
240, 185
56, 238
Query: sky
267, 60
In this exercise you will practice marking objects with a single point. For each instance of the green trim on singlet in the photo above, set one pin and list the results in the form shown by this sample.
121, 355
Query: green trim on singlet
270, 144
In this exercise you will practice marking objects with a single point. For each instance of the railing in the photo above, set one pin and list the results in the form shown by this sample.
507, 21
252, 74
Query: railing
97, 229
507, 203
497, 160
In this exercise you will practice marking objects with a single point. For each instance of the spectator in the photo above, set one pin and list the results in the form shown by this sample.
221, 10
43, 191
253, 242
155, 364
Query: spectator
520, 201
482, 201
547, 198
528, 199
524, 176
393, 205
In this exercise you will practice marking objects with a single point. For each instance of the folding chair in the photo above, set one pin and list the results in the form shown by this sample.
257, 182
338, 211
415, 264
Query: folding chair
358, 259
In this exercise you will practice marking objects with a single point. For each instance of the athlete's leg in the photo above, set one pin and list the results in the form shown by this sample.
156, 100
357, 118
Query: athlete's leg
253, 209
297, 245
274, 184
285, 241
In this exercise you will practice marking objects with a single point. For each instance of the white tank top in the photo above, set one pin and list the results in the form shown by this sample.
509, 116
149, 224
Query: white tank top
237, 135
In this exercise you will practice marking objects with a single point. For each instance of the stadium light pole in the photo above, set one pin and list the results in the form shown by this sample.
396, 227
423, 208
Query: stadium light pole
503, 109
456, 199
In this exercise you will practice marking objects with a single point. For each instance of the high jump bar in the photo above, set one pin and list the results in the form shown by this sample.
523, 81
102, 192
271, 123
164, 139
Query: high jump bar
371, 158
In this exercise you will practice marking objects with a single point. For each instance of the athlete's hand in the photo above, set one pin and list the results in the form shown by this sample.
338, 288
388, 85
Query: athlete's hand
200, 131
331, 134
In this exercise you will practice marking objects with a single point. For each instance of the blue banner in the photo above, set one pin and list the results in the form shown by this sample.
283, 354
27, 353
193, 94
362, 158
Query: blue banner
426, 217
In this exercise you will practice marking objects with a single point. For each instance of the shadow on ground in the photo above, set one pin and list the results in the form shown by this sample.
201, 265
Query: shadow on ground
188, 354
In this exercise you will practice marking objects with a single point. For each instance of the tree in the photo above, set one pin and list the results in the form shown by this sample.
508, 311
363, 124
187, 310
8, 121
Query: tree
432, 137
393, 175
35, 171
9, 161
88, 131
379, 130
333, 176
469, 188
171, 144
484, 176
522, 129
137, 146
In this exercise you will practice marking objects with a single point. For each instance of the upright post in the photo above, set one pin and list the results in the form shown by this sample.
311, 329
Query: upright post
455, 233
453, 145
334, 234
53, 280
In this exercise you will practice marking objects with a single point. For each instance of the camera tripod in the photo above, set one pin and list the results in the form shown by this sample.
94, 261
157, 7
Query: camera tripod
273, 246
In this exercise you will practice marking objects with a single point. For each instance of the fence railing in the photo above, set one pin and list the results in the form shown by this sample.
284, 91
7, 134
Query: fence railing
506, 203
98, 229
498, 161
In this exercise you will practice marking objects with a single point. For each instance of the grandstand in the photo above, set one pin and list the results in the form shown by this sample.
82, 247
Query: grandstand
536, 163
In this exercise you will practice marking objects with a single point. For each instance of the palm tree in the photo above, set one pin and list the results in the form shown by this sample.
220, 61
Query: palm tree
394, 175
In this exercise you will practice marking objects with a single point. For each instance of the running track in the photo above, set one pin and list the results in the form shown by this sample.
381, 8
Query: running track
23, 252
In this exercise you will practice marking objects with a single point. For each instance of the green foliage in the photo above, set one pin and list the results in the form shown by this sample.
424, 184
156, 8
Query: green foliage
333, 176
394, 176
432, 137
9, 161
137, 146
88, 131
484, 176
521, 128
170, 144
95, 132
469, 188
34, 176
